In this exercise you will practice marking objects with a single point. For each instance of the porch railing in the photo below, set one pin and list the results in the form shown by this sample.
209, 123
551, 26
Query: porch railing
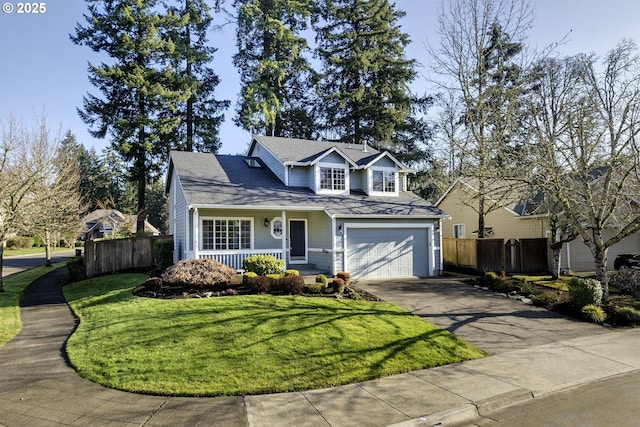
234, 258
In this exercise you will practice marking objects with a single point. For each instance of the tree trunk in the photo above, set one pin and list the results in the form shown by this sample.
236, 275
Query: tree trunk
47, 248
600, 259
1, 264
555, 263
481, 216
189, 72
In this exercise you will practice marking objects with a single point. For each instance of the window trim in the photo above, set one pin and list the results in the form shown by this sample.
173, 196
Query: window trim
459, 226
332, 166
273, 229
220, 218
384, 171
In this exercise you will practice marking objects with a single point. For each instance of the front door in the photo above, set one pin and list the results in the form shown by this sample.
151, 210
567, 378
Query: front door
298, 239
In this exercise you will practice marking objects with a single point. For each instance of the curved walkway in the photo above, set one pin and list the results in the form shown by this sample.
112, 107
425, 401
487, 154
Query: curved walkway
536, 353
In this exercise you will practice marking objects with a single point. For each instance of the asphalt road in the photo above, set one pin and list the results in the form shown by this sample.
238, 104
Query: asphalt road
611, 402
16, 264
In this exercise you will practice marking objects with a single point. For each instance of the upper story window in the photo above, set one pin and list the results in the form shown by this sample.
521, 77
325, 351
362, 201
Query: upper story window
332, 179
226, 234
384, 181
458, 231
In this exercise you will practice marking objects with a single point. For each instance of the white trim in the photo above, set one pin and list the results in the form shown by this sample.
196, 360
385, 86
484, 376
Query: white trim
224, 218
271, 227
317, 178
383, 169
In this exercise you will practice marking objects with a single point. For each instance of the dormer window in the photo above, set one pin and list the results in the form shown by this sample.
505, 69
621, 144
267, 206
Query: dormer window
384, 181
332, 179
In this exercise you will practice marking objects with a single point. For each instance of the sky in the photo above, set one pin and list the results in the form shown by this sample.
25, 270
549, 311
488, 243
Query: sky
41, 70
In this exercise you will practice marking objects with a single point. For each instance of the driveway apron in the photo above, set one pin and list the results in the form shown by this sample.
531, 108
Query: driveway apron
488, 320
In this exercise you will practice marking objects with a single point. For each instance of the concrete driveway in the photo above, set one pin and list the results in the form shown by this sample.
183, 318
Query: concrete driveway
494, 323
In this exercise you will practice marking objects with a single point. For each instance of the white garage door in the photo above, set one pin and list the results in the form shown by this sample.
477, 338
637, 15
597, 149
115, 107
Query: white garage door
373, 252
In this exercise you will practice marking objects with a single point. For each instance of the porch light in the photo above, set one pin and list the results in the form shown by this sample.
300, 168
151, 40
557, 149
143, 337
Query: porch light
266, 222
340, 229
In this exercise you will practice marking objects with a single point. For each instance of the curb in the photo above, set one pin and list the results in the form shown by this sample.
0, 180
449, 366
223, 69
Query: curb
469, 412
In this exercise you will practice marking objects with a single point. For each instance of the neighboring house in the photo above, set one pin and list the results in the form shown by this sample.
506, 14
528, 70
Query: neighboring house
103, 223
518, 220
335, 206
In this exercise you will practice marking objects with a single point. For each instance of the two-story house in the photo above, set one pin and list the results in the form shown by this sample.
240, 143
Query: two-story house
335, 206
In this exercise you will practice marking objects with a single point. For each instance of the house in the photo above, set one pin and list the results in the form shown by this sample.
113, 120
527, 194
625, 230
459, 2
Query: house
103, 223
334, 206
517, 219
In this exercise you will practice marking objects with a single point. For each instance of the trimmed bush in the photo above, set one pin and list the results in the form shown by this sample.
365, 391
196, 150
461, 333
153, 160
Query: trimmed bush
497, 283
291, 272
594, 313
315, 288
163, 253
293, 285
629, 315
247, 276
628, 281
199, 273
584, 292
344, 276
263, 264
321, 278
546, 299
75, 269
338, 285
259, 284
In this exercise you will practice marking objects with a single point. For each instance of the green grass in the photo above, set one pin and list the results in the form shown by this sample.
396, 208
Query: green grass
10, 324
244, 344
546, 281
32, 251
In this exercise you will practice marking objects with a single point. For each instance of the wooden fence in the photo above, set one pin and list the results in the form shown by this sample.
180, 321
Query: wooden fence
482, 255
113, 255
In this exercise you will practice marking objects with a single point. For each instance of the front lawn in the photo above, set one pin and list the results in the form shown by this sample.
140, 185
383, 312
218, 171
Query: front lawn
10, 324
250, 344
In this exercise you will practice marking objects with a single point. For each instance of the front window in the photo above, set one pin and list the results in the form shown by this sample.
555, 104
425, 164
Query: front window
226, 234
332, 179
384, 181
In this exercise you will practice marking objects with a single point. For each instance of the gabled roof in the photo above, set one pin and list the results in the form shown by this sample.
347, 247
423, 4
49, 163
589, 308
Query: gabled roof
303, 151
224, 181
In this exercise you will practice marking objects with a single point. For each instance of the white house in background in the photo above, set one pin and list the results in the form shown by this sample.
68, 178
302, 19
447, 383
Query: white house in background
103, 223
334, 206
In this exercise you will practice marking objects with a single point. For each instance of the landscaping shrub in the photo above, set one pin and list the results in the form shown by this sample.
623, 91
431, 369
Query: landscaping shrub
344, 276
584, 292
594, 313
321, 278
628, 281
248, 275
338, 285
75, 269
546, 299
626, 316
293, 285
315, 288
163, 253
199, 273
525, 288
263, 264
291, 272
259, 284
19, 242
497, 283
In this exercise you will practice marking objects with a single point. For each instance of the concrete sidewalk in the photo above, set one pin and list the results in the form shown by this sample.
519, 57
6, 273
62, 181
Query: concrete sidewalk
38, 387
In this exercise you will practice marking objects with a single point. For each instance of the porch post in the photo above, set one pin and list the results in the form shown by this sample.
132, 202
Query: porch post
285, 233
334, 241
196, 233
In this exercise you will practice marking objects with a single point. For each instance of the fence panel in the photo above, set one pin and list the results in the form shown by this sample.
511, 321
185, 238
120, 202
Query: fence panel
534, 256
490, 255
110, 256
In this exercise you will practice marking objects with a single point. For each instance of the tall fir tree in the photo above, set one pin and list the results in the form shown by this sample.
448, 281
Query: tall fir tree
202, 114
137, 87
365, 96
275, 75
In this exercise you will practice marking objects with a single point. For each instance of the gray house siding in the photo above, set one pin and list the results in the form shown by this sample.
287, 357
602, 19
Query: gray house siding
301, 177
272, 163
177, 219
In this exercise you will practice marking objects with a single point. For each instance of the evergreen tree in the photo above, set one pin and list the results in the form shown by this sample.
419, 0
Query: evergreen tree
365, 98
275, 75
201, 114
138, 87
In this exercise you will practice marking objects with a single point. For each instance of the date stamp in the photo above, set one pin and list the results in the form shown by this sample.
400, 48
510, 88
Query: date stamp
31, 8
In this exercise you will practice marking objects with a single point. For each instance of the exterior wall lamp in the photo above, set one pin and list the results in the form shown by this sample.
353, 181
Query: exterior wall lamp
340, 230
266, 222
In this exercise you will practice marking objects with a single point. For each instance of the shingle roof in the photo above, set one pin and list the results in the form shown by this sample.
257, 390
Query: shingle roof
302, 150
210, 180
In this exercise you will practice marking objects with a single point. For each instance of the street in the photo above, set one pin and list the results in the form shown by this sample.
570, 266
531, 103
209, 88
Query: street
16, 264
611, 402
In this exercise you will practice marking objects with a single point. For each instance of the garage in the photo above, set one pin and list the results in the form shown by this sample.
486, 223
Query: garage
387, 252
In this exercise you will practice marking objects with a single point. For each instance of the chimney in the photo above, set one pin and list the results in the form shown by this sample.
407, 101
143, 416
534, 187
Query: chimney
364, 146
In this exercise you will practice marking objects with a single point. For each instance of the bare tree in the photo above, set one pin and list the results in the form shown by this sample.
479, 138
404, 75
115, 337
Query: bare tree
590, 164
480, 60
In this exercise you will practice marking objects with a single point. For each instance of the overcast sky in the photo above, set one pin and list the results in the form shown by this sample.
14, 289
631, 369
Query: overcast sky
41, 69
